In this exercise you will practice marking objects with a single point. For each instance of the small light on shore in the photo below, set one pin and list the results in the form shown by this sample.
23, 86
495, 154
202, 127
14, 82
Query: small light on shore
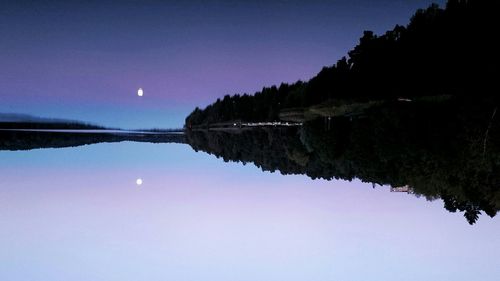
140, 92
138, 182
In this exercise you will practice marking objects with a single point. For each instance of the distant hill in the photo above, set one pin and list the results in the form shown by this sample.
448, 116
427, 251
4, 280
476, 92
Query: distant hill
25, 132
442, 52
27, 140
17, 117
25, 121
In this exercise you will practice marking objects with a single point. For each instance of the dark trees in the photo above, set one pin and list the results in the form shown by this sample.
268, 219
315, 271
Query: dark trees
451, 51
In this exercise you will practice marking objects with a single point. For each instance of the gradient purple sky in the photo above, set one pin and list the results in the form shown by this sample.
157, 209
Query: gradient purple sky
85, 59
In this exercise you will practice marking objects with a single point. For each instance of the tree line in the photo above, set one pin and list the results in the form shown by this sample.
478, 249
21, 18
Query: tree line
442, 51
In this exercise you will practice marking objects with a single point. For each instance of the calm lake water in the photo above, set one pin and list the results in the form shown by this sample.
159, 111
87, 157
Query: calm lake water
79, 214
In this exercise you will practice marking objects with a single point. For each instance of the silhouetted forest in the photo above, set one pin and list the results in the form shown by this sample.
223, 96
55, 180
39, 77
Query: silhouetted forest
441, 52
448, 150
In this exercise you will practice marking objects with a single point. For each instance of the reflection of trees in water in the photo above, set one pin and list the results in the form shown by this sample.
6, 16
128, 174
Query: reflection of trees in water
435, 148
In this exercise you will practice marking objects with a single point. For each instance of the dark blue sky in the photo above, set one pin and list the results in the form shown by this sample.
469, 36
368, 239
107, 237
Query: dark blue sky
86, 59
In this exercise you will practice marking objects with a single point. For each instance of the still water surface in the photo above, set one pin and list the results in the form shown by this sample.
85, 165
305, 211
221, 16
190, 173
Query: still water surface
79, 214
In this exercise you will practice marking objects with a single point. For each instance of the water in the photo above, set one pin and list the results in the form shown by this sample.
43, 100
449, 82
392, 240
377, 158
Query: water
78, 214
395, 192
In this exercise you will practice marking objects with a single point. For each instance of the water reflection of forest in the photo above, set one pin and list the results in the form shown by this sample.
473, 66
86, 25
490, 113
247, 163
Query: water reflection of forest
448, 150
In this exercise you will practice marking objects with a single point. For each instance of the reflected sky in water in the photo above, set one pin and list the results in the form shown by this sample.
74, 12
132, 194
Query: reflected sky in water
79, 214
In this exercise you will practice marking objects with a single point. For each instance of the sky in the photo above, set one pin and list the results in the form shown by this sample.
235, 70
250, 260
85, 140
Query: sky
85, 60
196, 218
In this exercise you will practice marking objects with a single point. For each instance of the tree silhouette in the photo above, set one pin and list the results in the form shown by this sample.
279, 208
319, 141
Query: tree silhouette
449, 51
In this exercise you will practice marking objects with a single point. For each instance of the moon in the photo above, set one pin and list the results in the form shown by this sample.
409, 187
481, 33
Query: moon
140, 92
138, 182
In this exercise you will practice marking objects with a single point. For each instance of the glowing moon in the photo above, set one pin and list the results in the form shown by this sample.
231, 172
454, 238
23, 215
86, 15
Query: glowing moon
138, 181
140, 92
